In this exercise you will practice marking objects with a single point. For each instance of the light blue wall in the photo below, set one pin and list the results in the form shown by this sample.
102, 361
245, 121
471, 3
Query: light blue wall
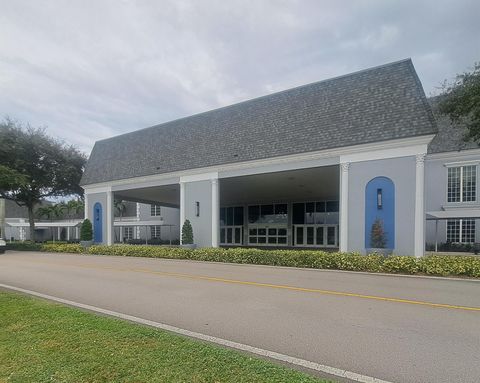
102, 199
200, 191
402, 172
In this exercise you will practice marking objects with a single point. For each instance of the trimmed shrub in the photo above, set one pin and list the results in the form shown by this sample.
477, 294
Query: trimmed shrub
86, 230
452, 265
187, 233
24, 246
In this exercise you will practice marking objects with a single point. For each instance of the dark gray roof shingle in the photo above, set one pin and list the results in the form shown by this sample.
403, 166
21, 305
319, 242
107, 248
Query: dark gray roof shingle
377, 104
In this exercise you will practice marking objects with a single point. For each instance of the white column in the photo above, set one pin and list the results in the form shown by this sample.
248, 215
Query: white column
419, 246
68, 233
85, 207
215, 212
182, 206
344, 168
109, 218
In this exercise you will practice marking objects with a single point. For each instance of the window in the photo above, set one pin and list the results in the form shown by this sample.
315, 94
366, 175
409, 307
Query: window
461, 230
462, 183
127, 233
155, 231
155, 210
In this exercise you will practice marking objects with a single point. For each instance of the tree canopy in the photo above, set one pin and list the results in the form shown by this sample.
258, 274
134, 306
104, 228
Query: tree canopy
460, 100
35, 166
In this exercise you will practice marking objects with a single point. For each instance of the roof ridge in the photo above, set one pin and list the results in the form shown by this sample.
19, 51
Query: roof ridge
365, 70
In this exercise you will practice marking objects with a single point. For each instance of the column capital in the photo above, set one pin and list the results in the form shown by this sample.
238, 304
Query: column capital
345, 166
420, 159
214, 181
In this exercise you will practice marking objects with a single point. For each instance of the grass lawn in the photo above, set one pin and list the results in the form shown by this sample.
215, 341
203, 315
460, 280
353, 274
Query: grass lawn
47, 342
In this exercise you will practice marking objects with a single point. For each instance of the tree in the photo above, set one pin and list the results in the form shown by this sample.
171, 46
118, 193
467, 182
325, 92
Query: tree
120, 207
377, 235
75, 207
36, 167
187, 233
460, 100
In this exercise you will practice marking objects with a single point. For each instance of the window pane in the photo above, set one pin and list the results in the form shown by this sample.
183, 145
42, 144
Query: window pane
272, 231
253, 214
320, 207
262, 231
262, 239
332, 206
468, 230
282, 240
331, 240
310, 235
223, 219
310, 212
299, 235
272, 240
453, 230
229, 235
252, 239
320, 236
238, 216
282, 231
266, 213
469, 183
332, 218
252, 232
238, 235
298, 217
230, 216
222, 235
453, 185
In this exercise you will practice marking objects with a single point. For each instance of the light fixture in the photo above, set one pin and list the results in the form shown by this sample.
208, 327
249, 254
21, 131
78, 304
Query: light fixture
379, 199
197, 209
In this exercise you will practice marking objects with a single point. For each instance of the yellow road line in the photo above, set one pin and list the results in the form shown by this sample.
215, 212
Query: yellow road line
269, 285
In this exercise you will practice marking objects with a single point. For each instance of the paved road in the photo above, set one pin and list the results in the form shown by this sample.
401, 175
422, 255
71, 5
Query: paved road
302, 313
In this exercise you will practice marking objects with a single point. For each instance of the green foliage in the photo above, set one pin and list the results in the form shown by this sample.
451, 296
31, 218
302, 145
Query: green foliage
187, 233
24, 246
46, 342
448, 265
377, 235
36, 166
62, 248
460, 100
86, 231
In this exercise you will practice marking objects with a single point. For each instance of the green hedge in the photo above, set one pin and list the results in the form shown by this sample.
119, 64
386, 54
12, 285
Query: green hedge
451, 265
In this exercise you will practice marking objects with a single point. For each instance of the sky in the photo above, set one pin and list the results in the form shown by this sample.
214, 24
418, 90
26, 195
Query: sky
91, 69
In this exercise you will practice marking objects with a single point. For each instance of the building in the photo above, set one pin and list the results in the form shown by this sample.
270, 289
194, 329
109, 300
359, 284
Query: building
134, 223
310, 167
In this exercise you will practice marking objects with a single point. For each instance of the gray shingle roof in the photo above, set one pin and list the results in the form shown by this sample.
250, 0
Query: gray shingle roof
376, 104
450, 137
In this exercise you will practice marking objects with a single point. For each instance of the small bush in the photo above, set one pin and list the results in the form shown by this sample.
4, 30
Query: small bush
187, 233
62, 248
86, 231
24, 246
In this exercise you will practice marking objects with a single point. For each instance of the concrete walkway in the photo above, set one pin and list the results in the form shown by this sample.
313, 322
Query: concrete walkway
399, 329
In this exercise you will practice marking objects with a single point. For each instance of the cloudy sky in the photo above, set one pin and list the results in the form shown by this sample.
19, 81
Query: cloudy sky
90, 69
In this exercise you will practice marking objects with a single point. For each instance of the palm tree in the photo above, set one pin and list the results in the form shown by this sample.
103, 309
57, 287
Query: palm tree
75, 207
120, 207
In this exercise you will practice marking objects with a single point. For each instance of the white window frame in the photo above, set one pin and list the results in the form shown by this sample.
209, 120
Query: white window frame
460, 232
461, 166
158, 232
155, 210
127, 233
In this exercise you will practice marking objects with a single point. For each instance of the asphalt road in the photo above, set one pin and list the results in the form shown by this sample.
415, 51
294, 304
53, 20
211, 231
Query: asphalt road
338, 319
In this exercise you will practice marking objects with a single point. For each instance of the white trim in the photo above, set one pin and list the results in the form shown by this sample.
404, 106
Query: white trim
182, 206
109, 218
343, 207
382, 154
98, 189
461, 153
419, 236
384, 147
461, 163
215, 212
85, 206
199, 177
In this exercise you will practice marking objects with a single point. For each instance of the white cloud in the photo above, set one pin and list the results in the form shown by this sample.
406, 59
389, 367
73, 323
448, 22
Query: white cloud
92, 69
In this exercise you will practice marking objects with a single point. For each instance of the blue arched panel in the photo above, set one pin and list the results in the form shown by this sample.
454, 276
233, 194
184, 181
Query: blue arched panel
380, 204
97, 222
